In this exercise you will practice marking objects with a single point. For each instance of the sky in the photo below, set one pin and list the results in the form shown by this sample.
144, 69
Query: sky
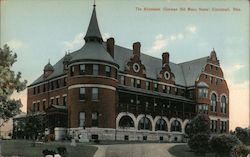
42, 30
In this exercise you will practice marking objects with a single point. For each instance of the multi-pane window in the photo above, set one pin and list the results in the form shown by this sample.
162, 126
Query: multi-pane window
122, 80
202, 109
148, 85
82, 93
95, 69
223, 104
82, 69
132, 82
82, 119
138, 83
203, 92
94, 118
155, 87
64, 100
95, 92
223, 126
213, 126
72, 70
34, 90
213, 103
107, 71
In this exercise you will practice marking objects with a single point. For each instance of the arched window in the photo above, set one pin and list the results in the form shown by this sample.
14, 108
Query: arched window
144, 124
176, 126
223, 104
126, 122
187, 128
161, 125
213, 103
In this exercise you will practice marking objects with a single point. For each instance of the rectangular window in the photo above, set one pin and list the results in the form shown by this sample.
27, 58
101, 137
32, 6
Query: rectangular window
95, 69
44, 105
57, 101
176, 91
82, 119
34, 106
211, 80
57, 83
64, 100
65, 81
164, 90
52, 85
94, 119
155, 87
108, 71
34, 90
95, 94
148, 85
82, 93
168, 89
122, 80
138, 83
44, 87
38, 106
72, 70
82, 69
38, 89
132, 82
52, 101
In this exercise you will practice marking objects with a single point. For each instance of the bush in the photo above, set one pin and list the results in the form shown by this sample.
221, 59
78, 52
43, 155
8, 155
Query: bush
240, 150
223, 144
199, 144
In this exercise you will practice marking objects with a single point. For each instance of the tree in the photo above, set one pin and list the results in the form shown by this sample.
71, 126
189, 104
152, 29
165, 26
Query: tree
9, 82
240, 150
243, 135
198, 125
222, 144
199, 134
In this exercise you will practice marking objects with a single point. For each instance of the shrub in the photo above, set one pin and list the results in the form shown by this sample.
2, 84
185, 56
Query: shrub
223, 144
199, 144
240, 150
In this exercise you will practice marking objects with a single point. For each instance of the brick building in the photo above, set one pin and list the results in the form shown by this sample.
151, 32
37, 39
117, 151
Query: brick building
106, 91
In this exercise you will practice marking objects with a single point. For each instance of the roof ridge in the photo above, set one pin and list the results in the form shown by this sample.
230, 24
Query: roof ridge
194, 60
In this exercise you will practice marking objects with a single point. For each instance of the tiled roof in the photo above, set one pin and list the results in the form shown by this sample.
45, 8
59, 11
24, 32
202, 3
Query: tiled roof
185, 73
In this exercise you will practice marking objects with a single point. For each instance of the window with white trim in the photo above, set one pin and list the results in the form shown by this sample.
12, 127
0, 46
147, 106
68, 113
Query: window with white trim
213, 103
203, 92
223, 104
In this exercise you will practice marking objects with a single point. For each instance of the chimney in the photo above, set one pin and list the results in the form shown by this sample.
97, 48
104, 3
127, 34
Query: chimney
111, 46
165, 58
137, 49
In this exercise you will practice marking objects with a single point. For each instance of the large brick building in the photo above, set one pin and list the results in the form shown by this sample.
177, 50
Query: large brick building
107, 91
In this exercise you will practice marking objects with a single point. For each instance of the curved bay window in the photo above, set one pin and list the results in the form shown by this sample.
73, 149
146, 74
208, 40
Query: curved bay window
176, 126
144, 124
223, 104
213, 103
161, 125
126, 122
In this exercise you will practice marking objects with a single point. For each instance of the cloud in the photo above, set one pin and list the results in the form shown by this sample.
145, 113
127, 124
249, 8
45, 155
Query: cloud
15, 44
232, 69
238, 66
160, 43
191, 29
106, 36
74, 44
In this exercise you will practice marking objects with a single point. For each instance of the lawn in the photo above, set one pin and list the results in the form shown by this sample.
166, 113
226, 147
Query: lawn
182, 150
25, 148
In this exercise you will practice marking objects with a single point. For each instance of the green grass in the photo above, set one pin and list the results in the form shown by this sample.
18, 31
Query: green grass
182, 150
25, 148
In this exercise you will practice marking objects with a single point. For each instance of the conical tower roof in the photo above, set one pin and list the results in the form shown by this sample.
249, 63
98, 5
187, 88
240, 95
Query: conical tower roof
93, 32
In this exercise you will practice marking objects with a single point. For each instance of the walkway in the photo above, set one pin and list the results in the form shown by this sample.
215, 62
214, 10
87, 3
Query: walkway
134, 150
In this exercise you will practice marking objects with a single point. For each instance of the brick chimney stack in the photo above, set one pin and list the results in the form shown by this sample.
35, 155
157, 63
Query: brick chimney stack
111, 46
137, 49
165, 58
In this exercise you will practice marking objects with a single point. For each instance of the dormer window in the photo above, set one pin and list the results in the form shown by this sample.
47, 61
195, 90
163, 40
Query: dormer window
202, 90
